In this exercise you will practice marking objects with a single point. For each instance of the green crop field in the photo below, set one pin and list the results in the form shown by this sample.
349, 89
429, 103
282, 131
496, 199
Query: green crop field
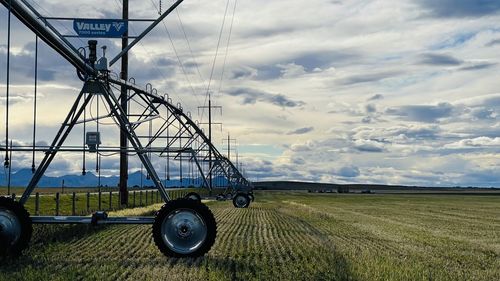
289, 236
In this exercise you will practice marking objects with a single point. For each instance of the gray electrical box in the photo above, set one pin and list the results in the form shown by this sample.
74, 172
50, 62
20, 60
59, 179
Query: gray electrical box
93, 140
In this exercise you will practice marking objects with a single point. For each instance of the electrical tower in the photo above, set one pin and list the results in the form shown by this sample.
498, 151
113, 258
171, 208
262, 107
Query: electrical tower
210, 123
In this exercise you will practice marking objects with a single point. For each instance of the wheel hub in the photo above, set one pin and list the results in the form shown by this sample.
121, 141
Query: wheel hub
241, 201
184, 231
10, 227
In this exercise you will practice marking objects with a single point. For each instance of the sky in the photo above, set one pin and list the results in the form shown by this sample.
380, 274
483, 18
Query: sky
386, 92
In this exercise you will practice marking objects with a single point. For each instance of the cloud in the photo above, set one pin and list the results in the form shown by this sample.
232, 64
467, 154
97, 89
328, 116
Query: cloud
493, 43
243, 72
475, 142
396, 87
301, 131
440, 60
291, 70
308, 146
422, 113
402, 133
376, 97
348, 172
371, 108
367, 78
251, 96
479, 66
460, 8
364, 145
321, 59
15, 98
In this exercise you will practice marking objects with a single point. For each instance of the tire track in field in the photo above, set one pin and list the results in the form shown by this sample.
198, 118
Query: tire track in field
423, 244
346, 233
278, 241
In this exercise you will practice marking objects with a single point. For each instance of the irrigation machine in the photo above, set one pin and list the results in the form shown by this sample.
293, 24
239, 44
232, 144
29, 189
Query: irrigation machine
181, 228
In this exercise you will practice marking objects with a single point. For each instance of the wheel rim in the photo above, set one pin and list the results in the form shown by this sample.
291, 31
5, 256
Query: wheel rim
184, 231
240, 201
10, 227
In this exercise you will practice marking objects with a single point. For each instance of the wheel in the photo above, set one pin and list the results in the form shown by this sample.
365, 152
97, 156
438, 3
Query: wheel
184, 228
241, 200
193, 196
15, 227
252, 198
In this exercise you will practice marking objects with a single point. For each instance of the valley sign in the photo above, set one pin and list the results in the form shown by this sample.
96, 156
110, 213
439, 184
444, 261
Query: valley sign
103, 28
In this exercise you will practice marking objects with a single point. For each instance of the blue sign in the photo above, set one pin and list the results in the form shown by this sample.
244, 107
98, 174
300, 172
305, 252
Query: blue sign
103, 28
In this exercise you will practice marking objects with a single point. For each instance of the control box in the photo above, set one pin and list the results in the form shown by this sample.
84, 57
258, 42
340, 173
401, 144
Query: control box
93, 140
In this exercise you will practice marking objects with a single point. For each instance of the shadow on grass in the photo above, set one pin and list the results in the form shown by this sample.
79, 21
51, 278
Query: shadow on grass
241, 268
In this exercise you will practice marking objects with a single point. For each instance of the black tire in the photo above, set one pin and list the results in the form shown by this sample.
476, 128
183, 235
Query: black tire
204, 218
241, 200
13, 213
193, 196
252, 198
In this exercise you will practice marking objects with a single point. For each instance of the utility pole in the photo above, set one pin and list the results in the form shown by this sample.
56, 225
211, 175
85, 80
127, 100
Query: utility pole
124, 105
228, 140
237, 160
210, 123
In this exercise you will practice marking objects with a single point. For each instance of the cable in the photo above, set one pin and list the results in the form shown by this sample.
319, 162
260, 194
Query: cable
216, 53
97, 163
6, 162
96, 119
227, 46
180, 62
149, 56
189, 47
178, 57
34, 105
10, 168
84, 172
58, 22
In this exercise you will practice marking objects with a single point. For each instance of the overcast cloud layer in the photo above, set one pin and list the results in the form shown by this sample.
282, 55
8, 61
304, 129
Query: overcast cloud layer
379, 91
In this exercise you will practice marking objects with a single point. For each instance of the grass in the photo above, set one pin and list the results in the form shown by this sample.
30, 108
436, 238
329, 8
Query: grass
48, 206
289, 236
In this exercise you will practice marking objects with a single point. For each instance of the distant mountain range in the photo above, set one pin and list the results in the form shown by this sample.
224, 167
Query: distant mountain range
22, 177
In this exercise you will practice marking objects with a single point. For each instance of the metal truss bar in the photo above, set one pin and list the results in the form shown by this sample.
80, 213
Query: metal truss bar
93, 119
88, 220
165, 137
181, 117
73, 115
145, 32
63, 18
62, 149
160, 131
144, 120
31, 18
120, 114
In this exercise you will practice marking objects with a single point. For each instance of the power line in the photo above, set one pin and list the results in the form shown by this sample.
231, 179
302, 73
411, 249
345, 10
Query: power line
189, 47
227, 46
151, 58
216, 54
178, 57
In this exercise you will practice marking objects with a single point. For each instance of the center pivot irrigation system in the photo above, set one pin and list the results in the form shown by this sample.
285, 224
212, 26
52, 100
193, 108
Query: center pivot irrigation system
181, 228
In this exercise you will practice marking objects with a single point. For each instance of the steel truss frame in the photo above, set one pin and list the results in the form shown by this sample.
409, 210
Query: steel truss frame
188, 143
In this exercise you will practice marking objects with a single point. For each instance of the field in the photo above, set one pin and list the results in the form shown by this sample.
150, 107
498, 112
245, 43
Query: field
289, 236
86, 204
